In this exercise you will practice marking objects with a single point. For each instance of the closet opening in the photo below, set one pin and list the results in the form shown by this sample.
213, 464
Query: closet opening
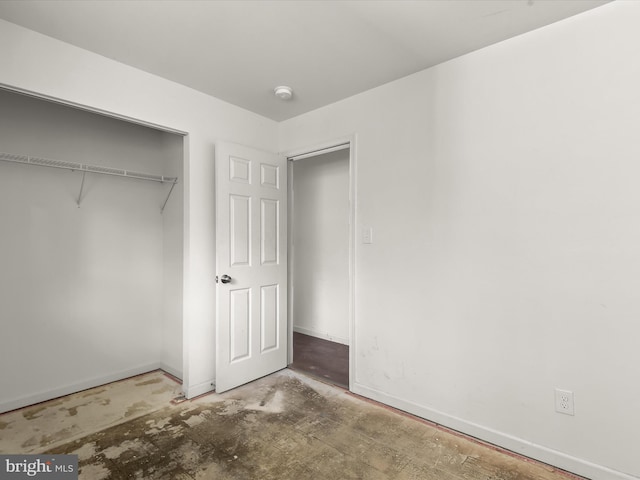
320, 263
91, 251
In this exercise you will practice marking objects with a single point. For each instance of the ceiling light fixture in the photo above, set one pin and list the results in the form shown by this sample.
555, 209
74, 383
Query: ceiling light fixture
283, 92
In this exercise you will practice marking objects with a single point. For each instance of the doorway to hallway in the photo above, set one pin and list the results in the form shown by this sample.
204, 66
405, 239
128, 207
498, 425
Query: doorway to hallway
320, 231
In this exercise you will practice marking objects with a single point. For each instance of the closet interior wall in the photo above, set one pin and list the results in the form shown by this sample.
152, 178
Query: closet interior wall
88, 294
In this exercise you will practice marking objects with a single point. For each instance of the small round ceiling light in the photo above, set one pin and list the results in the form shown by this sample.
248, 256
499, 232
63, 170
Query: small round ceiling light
283, 92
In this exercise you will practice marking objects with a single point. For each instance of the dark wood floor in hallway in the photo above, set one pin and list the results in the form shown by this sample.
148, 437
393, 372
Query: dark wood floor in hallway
326, 360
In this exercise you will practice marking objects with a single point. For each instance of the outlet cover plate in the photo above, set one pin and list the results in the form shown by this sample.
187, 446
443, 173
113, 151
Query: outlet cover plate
564, 401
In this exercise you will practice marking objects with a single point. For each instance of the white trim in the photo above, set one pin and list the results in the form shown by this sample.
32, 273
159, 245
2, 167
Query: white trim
322, 335
495, 437
186, 255
76, 387
200, 389
95, 110
322, 151
353, 223
342, 143
290, 250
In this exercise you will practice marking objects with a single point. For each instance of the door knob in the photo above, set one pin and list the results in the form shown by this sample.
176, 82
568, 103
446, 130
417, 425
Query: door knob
225, 279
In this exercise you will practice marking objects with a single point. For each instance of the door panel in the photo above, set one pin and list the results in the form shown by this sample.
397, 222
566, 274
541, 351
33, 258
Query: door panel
240, 324
240, 230
269, 317
251, 328
269, 236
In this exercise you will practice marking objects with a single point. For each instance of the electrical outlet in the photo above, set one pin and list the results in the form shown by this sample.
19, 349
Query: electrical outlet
564, 401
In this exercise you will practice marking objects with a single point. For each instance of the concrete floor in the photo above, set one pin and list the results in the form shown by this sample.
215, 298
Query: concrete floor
284, 426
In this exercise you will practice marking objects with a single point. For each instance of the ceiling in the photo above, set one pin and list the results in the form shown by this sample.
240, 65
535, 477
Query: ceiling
326, 50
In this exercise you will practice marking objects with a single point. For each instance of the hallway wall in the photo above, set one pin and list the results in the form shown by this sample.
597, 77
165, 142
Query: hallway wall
321, 246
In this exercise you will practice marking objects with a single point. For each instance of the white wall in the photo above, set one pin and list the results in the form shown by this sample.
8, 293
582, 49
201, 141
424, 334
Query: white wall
81, 289
173, 258
34, 62
503, 191
321, 246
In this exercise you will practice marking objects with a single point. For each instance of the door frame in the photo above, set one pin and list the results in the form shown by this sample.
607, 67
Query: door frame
348, 142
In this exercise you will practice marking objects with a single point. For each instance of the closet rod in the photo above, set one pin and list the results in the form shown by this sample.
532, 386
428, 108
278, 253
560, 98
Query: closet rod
46, 162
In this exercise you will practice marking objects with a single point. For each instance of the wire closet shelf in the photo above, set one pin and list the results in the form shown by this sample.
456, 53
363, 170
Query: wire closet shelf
86, 168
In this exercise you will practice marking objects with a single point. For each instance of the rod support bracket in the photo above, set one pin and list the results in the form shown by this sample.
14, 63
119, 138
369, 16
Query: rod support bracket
173, 184
81, 188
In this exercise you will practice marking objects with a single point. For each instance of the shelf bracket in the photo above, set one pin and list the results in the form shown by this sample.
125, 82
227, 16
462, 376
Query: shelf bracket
173, 184
81, 188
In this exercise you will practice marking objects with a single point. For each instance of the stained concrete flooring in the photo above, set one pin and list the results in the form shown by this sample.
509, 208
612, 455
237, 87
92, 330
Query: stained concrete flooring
284, 426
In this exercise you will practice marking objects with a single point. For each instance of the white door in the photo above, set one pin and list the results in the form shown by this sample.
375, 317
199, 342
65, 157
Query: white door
251, 246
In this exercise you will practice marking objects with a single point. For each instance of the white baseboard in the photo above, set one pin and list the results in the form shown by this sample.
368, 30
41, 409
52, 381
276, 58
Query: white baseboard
200, 389
506, 441
324, 336
171, 371
43, 396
